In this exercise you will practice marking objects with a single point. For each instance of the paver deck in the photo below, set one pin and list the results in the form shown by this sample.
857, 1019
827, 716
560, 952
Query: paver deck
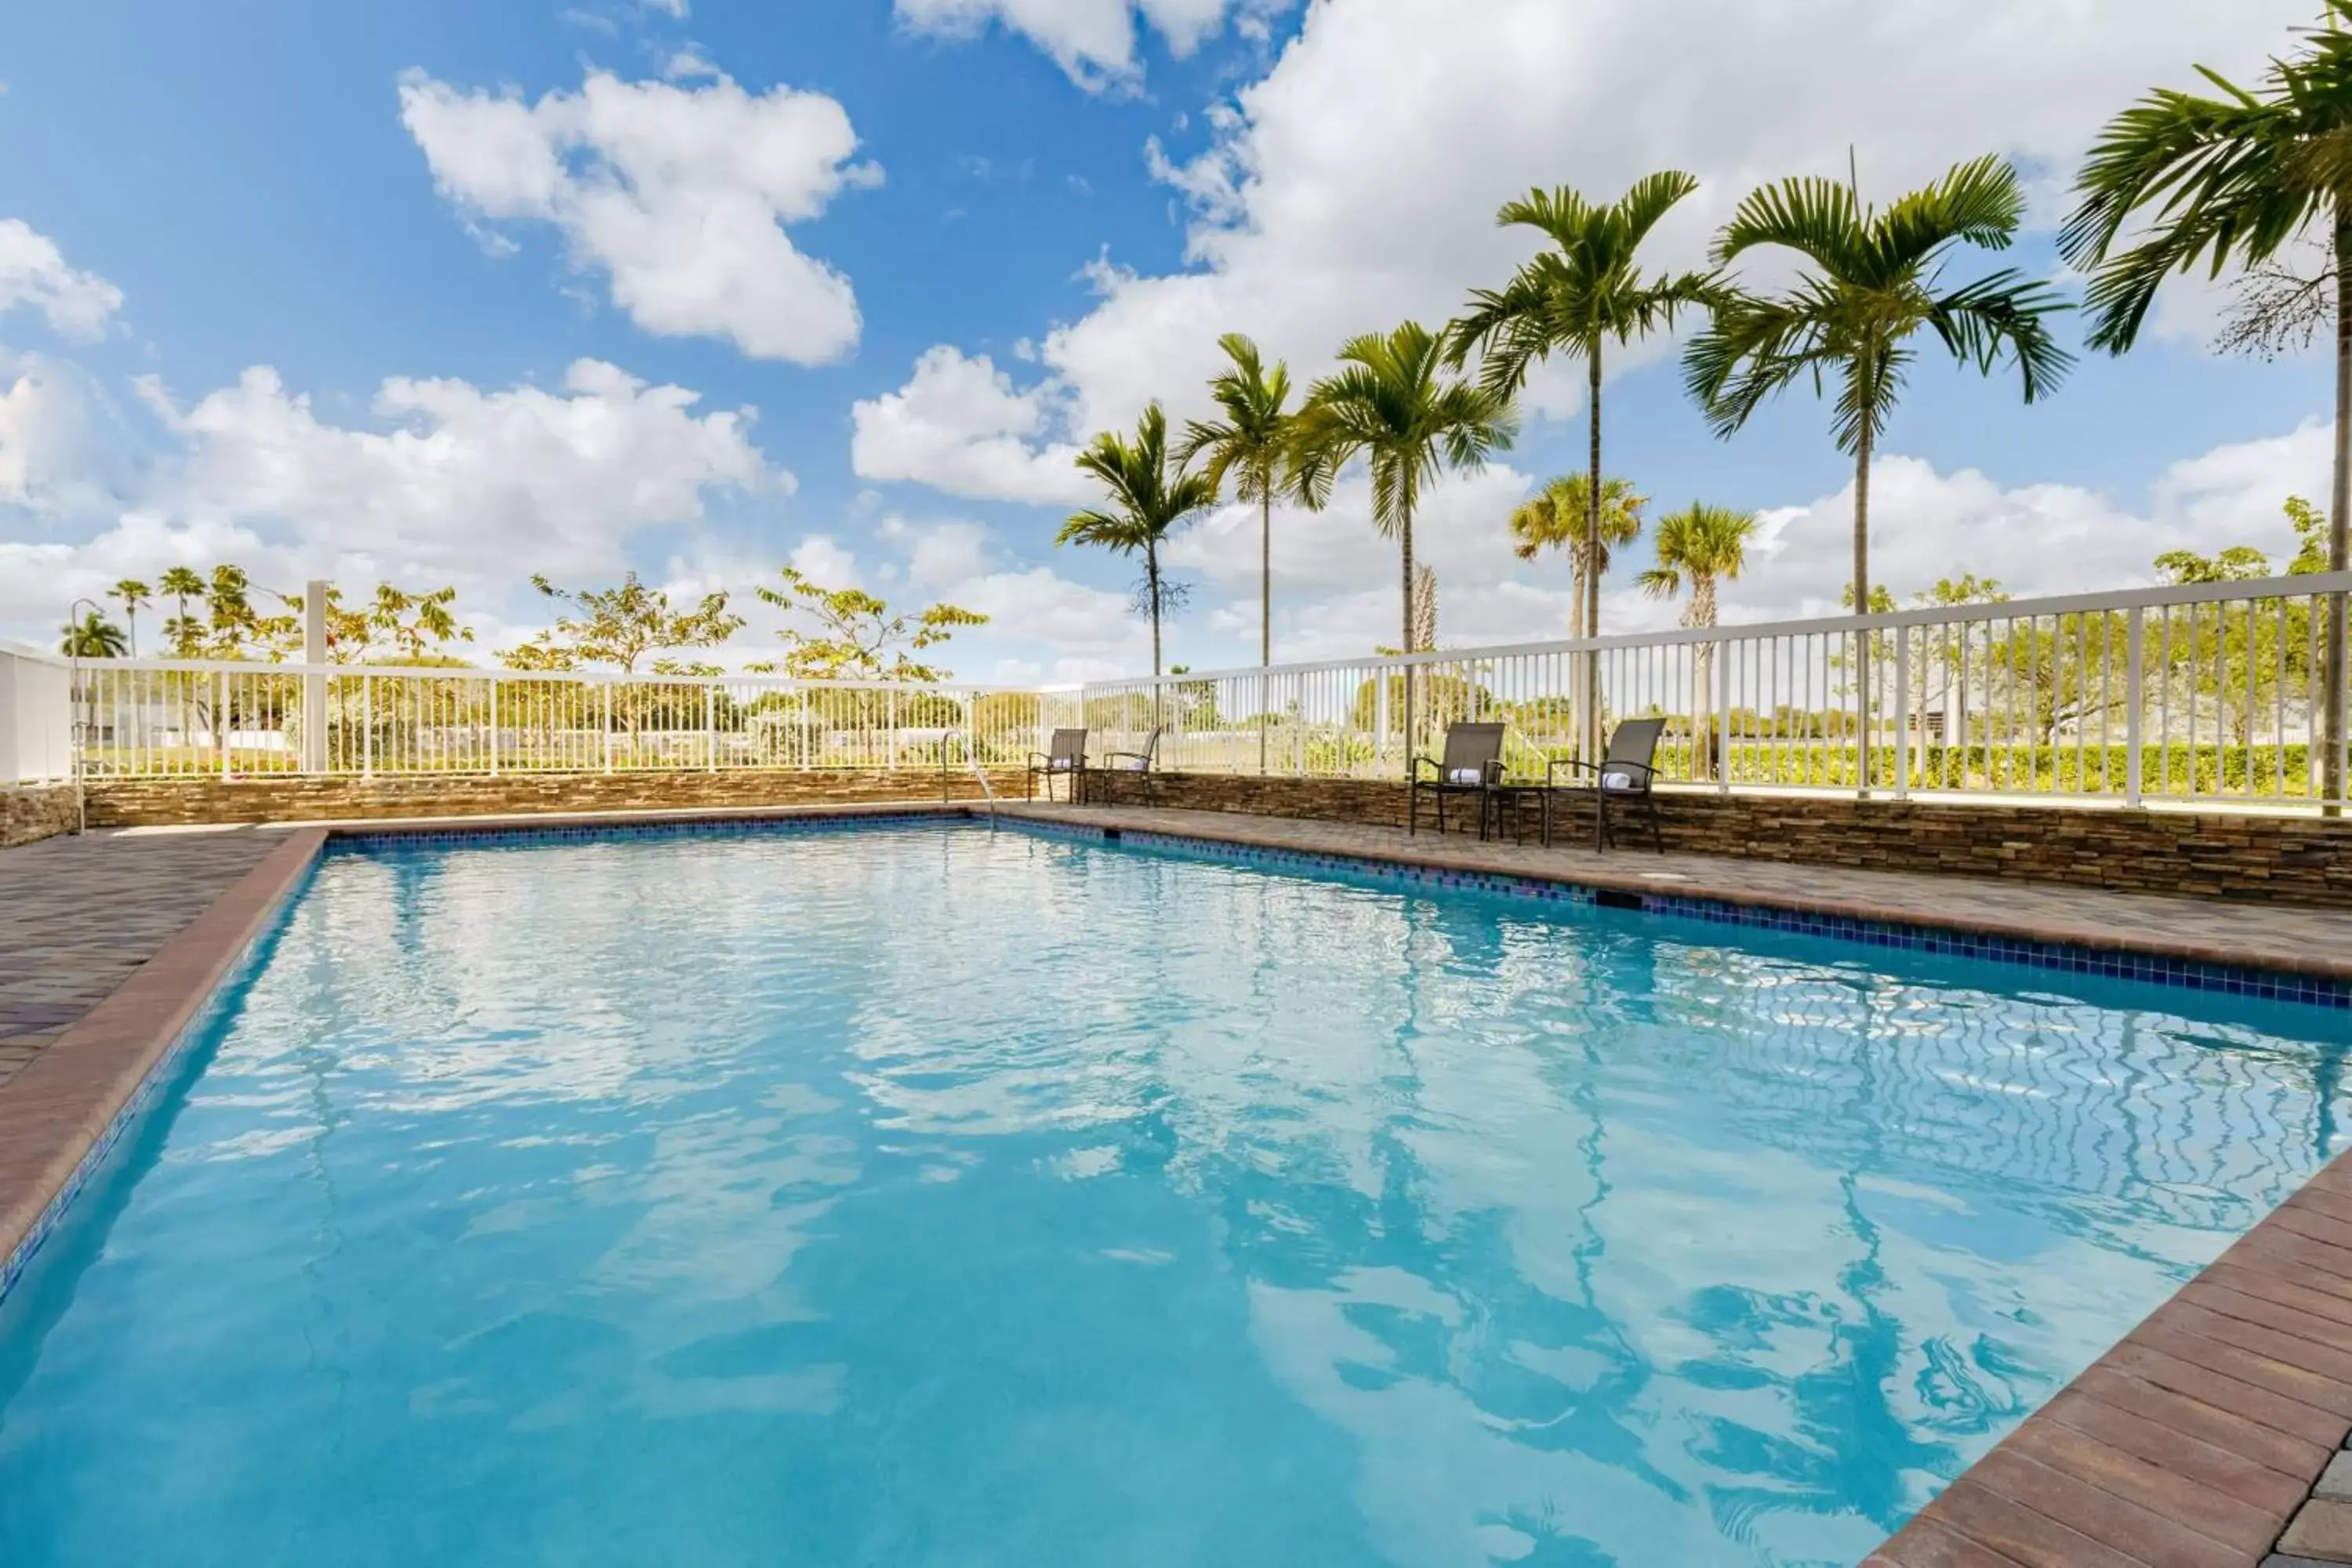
79, 915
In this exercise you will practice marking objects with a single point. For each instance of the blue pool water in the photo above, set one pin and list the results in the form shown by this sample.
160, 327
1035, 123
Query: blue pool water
934, 1196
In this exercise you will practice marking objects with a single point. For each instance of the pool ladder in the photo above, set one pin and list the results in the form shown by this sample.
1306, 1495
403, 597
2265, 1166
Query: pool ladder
987, 790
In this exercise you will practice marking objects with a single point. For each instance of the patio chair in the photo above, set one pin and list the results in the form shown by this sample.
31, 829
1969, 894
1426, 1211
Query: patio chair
1472, 765
1066, 756
1621, 782
1118, 763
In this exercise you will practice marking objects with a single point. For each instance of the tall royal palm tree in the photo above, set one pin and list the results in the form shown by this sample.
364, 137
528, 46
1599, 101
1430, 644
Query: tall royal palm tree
1583, 291
1875, 282
1254, 445
1151, 496
93, 636
1391, 404
134, 597
1560, 516
1701, 547
182, 632
2182, 179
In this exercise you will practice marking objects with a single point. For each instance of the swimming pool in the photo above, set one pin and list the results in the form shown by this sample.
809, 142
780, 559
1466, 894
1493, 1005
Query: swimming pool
921, 1193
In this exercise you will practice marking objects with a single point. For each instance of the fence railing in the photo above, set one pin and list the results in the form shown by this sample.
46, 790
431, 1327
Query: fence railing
2204, 693
2208, 693
166, 719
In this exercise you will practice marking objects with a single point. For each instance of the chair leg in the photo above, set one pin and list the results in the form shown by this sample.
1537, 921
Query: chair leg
1657, 835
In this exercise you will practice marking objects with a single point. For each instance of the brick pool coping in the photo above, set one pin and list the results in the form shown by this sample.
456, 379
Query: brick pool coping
2195, 1440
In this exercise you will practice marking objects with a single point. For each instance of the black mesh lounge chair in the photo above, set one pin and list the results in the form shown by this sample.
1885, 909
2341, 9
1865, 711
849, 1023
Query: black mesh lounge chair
1066, 756
1118, 763
1473, 765
1620, 783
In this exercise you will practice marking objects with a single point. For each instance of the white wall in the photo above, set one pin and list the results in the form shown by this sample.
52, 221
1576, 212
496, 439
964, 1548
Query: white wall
35, 717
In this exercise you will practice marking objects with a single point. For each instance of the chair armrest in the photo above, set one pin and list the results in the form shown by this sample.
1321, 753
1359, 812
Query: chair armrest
1552, 766
1109, 757
1412, 769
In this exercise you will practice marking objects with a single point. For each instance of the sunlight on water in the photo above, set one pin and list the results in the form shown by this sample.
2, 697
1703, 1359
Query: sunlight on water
935, 1195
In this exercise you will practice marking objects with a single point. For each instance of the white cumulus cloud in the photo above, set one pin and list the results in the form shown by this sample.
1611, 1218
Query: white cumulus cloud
1355, 183
681, 193
2036, 539
959, 425
33, 272
454, 483
1093, 40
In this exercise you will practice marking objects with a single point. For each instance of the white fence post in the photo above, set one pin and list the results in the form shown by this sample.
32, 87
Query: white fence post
711, 726
1902, 714
607, 688
1723, 715
220, 718
494, 725
2134, 695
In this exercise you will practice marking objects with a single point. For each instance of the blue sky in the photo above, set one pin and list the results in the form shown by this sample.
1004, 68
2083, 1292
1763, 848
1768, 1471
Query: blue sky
305, 286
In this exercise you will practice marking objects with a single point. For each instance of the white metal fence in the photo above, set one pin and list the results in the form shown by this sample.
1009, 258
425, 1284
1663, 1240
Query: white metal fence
2210, 693
163, 718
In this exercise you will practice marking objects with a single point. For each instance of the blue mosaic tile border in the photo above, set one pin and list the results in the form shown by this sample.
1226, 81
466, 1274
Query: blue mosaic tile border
200, 1025
345, 840
2071, 958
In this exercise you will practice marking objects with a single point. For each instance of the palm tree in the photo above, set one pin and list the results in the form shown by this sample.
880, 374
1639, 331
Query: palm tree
1391, 403
1574, 297
1559, 516
93, 636
1702, 546
1148, 501
1876, 280
134, 597
2236, 178
183, 631
1253, 445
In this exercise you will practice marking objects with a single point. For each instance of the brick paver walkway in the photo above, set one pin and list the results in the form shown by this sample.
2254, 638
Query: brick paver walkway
77, 915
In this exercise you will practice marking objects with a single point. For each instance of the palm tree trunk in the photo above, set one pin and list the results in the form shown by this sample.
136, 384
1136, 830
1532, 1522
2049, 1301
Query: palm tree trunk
1592, 557
1265, 608
2339, 527
1404, 641
1862, 603
1151, 589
